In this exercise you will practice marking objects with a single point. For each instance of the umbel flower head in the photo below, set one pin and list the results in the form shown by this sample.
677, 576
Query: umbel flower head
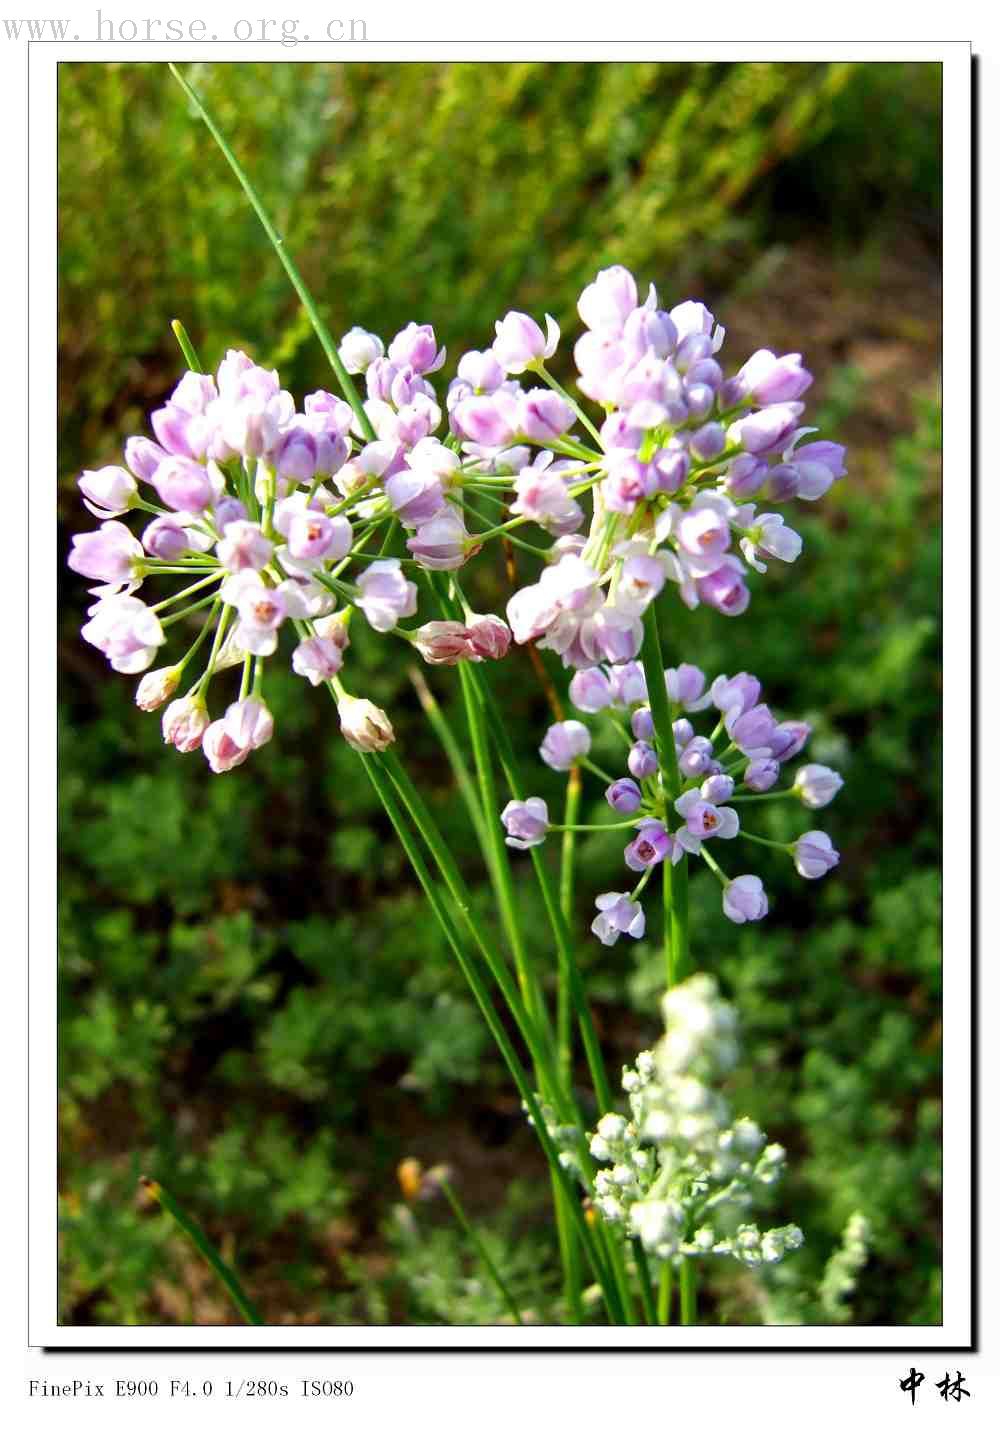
262, 520
699, 810
677, 1172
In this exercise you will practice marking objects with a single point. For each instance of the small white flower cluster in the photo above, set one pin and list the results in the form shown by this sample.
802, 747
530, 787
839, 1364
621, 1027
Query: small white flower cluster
678, 1160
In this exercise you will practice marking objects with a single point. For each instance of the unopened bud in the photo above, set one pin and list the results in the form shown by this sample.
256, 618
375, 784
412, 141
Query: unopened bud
156, 686
363, 725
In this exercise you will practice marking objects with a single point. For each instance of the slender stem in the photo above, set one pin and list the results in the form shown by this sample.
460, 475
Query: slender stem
547, 377
564, 942
592, 828
444, 859
645, 1284
188, 610
526, 976
193, 1231
442, 728
770, 843
188, 591
689, 1292
752, 798
595, 1255
665, 1294
710, 861
186, 346
480, 1248
568, 968
588, 764
567, 871
675, 876
288, 263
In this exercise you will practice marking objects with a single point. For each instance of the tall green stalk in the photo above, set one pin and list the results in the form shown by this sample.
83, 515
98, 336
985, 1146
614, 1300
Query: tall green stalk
675, 876
397, 815
675, 888
567, 875
569, 1249
288, 263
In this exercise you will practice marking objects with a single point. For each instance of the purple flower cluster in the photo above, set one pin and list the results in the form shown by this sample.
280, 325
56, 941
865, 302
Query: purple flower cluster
267, 513
678, 803
297, 519
681, 451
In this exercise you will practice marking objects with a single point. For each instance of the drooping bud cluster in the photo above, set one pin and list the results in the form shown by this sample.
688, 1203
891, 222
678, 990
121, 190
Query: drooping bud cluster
681, 802
678, 1171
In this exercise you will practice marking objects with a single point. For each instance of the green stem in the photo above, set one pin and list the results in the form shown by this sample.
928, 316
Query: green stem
665, 1294
689, 1292
466, 785
457, 888
193, 1231
752, 798
186, 346
567, 871
288, 263
675, 876
480, 1249
526, 976
645, 1284
560, 930
592, 828
394, 809
768, 843
547, 377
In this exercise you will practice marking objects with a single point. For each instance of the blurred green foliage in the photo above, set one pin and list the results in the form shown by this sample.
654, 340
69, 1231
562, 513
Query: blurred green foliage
254, 1006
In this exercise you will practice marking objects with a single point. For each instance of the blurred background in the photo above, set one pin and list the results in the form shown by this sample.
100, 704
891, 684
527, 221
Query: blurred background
254, 1006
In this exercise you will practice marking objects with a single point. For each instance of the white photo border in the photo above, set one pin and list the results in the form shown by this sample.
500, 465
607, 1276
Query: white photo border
958, 1328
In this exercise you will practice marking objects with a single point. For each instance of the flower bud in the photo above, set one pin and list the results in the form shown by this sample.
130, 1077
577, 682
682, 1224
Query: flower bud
744, 899
183, 485
107, 554
642, 760
590, 690
156, 686
526, 822
761, 774
143, 456
442, 642
624, 796
220, 749
363, 725
520, 342
643, 727
185, 723
165, 538
564, 744
359, 349
110, 491
817, 785
441, 543
815, 854
317, 659
481, 371
249, 723
488, 636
